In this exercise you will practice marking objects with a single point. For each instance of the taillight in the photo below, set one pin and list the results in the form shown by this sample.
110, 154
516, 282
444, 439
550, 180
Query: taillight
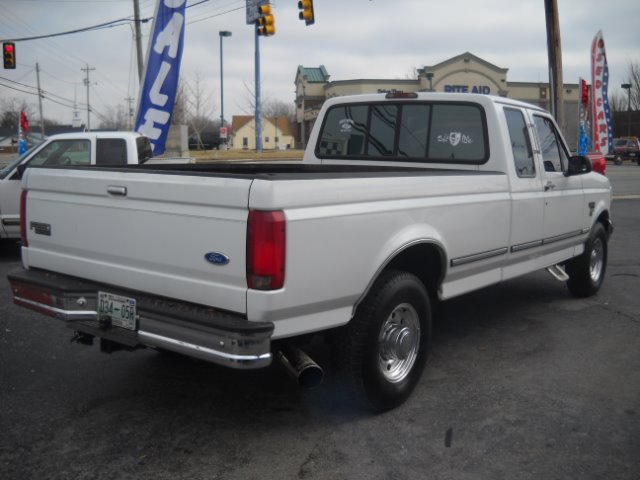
266, 241
600, 166
23, 218
33, 297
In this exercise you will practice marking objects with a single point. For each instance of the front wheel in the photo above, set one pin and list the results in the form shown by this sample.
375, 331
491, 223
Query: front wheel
617, 160
383, 350
586, 272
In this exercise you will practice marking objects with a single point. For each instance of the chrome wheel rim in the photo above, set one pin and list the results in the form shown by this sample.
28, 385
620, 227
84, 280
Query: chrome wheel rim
399, 342
596, 260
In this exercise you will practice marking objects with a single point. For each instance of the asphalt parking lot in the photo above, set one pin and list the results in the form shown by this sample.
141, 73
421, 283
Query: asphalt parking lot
523, 382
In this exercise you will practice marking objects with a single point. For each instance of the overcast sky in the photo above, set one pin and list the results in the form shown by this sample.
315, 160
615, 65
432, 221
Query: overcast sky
353, 39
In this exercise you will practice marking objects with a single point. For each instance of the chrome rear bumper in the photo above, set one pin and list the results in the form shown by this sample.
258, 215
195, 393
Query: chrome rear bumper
194, 330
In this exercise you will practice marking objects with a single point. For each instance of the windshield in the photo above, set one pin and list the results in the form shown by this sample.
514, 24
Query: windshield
15, 161
619, 143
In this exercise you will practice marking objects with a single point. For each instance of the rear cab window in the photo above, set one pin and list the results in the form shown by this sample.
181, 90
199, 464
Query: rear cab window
437, 132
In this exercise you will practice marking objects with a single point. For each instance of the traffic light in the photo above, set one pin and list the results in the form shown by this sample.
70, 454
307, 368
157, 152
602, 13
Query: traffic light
9, 54
266, 22
306, 11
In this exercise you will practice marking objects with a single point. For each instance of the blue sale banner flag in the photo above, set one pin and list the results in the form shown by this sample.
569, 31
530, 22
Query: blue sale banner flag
160, 80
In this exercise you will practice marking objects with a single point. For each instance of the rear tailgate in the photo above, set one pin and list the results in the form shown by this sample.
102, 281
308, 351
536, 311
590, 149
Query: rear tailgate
150, 232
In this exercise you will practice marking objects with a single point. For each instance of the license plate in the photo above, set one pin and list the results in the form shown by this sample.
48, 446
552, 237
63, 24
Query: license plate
121, 310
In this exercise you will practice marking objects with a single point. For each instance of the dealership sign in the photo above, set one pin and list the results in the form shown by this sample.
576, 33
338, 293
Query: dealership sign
160, 81
602, 134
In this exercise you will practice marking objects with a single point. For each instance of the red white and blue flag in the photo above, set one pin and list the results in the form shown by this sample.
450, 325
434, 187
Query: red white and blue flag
601, 118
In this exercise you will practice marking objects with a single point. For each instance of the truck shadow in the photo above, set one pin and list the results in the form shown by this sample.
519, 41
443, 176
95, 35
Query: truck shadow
170, 384
9, 251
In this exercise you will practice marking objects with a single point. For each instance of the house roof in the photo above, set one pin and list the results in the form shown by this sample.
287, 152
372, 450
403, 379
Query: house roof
313, 74
239, 121
464, 56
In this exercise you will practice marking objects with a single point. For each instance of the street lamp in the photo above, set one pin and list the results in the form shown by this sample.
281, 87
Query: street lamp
627, 87
223, 33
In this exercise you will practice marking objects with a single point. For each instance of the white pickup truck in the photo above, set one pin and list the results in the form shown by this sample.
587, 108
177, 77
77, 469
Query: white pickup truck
401, 200
90, 148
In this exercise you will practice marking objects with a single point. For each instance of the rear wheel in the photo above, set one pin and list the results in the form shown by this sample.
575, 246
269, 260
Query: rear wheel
383, 349
586, 272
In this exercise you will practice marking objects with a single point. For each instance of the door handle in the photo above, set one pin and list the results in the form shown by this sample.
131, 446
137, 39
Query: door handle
549, 186
115, 190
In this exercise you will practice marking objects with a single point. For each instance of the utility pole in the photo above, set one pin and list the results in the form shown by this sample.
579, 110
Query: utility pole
40, 100
129, 101
555, 61
136, 15
88, 84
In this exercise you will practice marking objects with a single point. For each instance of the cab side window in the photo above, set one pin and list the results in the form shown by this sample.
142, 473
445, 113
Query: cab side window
111, 151
520, 143
554, 156
64, 152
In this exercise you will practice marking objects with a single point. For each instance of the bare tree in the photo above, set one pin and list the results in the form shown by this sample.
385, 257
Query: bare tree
269, 107
273, 108
618, 101
633, 75
198, 108
115, 118
10, 109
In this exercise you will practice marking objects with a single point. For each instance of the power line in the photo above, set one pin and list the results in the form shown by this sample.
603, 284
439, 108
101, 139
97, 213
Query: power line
111, 24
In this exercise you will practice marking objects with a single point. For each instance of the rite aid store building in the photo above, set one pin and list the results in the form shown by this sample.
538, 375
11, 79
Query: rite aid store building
464, 73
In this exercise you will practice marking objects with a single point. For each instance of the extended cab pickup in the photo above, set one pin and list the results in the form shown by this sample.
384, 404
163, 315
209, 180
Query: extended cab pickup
401, 200
92, 148
625, 148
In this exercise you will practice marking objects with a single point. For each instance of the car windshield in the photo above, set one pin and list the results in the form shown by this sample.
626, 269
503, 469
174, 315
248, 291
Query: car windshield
15, 161
619, 143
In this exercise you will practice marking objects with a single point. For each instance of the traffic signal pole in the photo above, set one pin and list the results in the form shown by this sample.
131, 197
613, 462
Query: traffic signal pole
258, 118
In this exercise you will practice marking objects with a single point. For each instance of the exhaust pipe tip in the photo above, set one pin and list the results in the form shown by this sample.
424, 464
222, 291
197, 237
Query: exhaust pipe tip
301, 367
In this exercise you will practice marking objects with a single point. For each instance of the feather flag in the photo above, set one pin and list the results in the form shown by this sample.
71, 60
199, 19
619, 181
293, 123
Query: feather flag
160, 81
601, 118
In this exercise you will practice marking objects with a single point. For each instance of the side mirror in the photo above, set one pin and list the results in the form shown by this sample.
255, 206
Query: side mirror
20, 170
578, 165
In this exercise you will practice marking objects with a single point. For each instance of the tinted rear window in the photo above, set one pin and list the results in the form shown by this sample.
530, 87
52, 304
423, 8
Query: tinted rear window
436, 132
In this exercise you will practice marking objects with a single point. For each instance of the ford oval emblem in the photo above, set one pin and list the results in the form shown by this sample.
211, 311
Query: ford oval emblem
216, 258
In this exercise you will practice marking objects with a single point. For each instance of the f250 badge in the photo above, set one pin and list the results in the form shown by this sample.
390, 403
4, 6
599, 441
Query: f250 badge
216, 258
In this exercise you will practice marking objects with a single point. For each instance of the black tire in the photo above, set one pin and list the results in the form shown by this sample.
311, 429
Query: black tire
617, 160
586, 272
383, 350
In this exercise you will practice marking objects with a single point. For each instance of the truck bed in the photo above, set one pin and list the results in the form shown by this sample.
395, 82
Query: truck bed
287, 170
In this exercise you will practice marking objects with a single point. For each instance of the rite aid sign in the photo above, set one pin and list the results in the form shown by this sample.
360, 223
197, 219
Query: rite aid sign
484, 89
